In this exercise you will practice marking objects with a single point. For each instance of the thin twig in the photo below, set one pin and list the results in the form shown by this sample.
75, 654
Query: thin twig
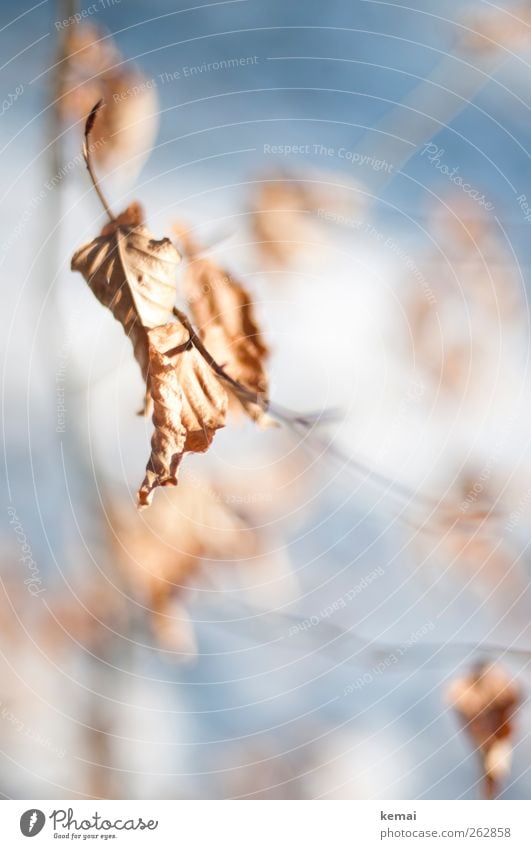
243, 393
88, 161
398, 489
307, 421
326, 634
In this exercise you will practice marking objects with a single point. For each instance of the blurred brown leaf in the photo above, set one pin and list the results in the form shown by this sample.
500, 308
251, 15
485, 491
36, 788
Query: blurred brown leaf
88, 54
285, 212
476, 257
89, 617
162, 551
93, 69
472, 548
486, 700
280, 221
470, 293
491, 29
127, 125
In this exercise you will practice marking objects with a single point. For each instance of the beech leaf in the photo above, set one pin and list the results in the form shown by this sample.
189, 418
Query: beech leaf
223, 313
486, 700
92, 68
190, 404
172, 548
133, 274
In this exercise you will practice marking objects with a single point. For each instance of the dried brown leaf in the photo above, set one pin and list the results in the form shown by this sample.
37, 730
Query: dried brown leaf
162, 551
489, 278
492, 29
133, 275
486, 701
87, 618
93, 69
281, 221
88, 54
287, 212
223, 313
126, 127
190, 404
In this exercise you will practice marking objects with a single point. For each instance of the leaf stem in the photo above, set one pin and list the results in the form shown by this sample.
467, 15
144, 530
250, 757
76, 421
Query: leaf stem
242, 392
88, 161
239, 388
